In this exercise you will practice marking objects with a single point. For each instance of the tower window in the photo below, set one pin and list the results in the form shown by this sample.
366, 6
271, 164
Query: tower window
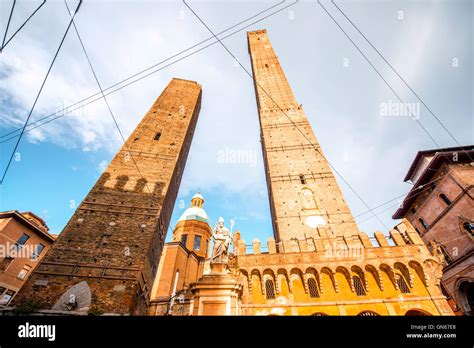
313, 288
269, 289
184, 239
197, 243
445, 199
423, 223
157, 136
359, 288
402, 284
302, 179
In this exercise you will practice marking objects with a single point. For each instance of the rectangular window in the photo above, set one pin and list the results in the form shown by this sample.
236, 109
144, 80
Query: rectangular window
5, 299
5, 263
38, 250
184, 239
22, 240
197, 243
157, 136
24, 272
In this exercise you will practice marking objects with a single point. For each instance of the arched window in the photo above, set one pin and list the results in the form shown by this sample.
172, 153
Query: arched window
445, 199
270, 289
313, 288
184, 239
423, 223
358, 286
402, 284
175, 284
368, 314
319, 314
197, 243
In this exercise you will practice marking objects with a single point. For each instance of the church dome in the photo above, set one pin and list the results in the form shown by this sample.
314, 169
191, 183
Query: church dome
195, 211
198, 195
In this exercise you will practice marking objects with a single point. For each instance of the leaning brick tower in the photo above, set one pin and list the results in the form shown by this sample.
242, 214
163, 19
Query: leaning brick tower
305, 197
107, 255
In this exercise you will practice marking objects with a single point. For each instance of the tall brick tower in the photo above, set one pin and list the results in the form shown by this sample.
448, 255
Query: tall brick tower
107, 255
305, 199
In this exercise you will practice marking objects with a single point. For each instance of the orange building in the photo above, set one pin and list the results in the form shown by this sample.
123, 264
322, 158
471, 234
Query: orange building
111, 257
319, 262
24, 240
183, 260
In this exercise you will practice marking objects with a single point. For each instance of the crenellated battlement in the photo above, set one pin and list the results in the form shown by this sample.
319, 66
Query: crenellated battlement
402, 234
322, 270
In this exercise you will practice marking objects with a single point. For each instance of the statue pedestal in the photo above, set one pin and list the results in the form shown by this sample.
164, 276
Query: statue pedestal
217, 293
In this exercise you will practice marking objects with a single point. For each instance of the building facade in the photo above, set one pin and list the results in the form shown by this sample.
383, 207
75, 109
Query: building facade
318, 262
25, 240
106, 258
184, 261
441, 208
111, 258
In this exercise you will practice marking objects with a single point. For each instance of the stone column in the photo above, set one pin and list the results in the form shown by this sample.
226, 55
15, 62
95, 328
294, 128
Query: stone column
217, 293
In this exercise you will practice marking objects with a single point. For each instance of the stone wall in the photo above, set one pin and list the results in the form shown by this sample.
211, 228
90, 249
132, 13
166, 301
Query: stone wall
114, 239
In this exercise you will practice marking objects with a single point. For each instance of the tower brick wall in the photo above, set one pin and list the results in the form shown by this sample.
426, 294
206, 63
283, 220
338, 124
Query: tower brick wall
114, 240
319, 263
303, 191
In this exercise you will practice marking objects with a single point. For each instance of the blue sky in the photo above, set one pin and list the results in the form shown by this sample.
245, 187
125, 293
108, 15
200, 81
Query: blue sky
340, 93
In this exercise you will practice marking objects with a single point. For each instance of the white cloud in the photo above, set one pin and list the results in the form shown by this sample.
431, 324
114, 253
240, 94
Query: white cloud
139, 34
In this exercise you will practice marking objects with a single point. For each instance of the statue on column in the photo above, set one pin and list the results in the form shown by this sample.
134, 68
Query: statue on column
437, 252
222, 241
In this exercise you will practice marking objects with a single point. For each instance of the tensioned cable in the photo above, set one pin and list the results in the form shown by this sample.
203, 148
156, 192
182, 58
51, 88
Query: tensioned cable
151, 67
4, 44
294, 124
8, 25
105, 98
400, 77
380, 75
39, 92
